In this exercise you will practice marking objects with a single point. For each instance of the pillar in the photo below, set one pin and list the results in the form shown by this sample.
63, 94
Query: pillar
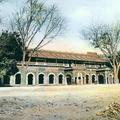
23, 78
46, 79
12, 80
81, 80
56, 80
90, 79
65, 81
34, 78
106, 76
97, 81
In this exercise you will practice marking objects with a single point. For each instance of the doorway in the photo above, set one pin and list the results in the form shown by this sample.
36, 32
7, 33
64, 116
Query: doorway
69, 79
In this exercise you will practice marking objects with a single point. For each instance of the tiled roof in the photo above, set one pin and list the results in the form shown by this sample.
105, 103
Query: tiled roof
90, 56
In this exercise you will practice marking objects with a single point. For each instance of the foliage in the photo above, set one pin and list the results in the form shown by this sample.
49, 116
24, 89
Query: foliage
10, 52
36, 17
107, 39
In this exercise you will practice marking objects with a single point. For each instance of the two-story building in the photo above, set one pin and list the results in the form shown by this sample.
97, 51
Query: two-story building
62, 68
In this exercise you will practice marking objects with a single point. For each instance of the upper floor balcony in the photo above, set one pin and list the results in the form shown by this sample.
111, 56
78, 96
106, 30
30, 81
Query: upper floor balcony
66, 65
96, 66
43, 64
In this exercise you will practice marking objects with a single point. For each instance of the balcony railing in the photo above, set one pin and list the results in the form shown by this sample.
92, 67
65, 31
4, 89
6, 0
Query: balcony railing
67, 66
95, 66
43, 64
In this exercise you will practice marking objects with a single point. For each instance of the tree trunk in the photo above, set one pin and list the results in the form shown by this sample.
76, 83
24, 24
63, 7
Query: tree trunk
115, 73
23, 59
23, 82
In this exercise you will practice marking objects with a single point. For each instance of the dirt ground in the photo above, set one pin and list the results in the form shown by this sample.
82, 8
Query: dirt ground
56, 102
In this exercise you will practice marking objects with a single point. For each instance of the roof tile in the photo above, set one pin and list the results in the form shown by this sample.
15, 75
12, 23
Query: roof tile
69, 56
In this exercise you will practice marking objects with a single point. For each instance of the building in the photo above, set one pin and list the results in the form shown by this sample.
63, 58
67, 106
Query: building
62, 68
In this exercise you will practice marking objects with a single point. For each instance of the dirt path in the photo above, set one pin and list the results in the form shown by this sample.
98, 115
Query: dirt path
56, 102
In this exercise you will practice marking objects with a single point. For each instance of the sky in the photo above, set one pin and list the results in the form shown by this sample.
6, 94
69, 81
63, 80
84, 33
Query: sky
79, 14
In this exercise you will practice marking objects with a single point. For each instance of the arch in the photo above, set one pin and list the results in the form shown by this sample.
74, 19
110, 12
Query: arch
18, 78
87, 79
69, 79
60, 78
80, 76
101, 79
51, 77
93, 78
41, 78
30, 78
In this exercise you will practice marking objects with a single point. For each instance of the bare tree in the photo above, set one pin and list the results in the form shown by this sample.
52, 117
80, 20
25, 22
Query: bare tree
107, 39
36, 17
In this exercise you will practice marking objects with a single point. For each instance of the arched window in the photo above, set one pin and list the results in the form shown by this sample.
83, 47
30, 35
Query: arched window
18, 78
41, 78
101, 79
30, 79
79, 78
69, 79
93, 78
60, 79
87, 79
51, 79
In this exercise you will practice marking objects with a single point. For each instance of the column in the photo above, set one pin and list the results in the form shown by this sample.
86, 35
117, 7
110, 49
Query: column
23, 78
46, 79
77, 80
65, 81
56, 80
106, 82
34, 78
81, 80
90, 79
85, 80
97, 81
12, 80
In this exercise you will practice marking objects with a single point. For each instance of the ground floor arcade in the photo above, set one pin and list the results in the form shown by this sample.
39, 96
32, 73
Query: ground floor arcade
56, 79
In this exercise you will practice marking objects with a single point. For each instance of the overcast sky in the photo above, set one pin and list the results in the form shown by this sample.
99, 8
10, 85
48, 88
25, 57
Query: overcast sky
79, 14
